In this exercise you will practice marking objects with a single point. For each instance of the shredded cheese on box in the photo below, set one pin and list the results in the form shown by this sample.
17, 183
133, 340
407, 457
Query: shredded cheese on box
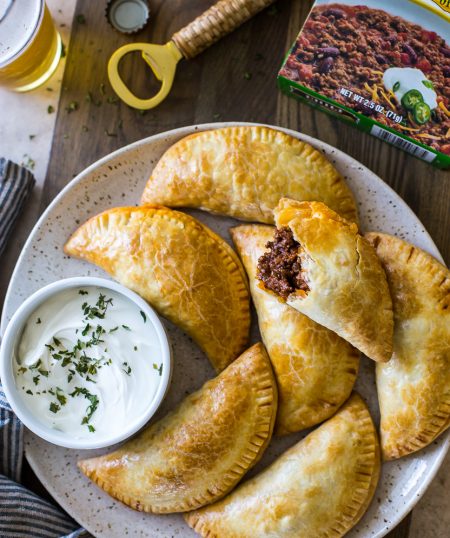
446, 110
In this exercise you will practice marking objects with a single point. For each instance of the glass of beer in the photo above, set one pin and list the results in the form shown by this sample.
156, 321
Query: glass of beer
30, 46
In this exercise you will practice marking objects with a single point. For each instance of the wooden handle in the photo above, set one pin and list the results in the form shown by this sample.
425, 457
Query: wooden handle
215, 23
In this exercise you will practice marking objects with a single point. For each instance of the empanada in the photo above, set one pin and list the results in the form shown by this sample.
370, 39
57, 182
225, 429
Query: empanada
188, 273
199, 451
414, 387
321, 266
319, 488
243, 172
314, 367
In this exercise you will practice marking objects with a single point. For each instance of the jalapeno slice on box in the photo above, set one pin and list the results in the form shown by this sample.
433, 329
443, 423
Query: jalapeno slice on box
422, 113
411, 99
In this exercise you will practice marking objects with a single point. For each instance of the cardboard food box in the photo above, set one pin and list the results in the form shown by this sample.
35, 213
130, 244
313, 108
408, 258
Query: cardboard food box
381, 65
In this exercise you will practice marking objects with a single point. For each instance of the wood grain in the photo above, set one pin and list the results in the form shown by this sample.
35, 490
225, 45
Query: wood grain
234, 80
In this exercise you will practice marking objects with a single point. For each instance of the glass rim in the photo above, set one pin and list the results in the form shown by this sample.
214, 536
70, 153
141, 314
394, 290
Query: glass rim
30, 39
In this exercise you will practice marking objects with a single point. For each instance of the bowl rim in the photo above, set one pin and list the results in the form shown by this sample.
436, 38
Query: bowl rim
14, 332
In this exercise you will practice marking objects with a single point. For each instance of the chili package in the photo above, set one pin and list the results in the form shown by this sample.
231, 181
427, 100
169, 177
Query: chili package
381, 65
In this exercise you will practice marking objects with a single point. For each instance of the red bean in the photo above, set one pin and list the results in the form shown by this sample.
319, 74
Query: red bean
336, 13
446, 71
380, 59
392, 38
326, 64
445, 51
411, 52
328, 51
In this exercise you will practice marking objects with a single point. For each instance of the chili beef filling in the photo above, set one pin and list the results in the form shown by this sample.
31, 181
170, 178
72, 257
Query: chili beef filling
351, 47
280, 269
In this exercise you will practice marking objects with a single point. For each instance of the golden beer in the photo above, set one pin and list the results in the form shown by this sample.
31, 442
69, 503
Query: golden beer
30, 46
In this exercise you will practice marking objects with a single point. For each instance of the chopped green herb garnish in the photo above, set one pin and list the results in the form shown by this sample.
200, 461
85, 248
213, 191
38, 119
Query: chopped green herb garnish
81, 19
158, 368
54, 407
91, 428
83, 292
57, 342
86, 330
50, 109
94, 401
126, 368
61, 397
36, 379
135, 348
72, 106
29, 392
38, 321
144, 317
114, 329
22, 370
126, 327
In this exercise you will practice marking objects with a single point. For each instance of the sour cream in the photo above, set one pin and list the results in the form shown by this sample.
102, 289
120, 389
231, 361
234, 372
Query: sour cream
409, 78
88, 362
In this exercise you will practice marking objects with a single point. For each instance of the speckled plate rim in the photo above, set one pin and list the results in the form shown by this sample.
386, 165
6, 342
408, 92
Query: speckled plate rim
444, 439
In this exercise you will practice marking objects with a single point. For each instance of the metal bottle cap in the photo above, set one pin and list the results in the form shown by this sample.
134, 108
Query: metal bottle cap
127, 16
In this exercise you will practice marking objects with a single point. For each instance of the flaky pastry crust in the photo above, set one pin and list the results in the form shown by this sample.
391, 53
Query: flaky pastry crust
184, 270
319, 488
199, 451
348, 291
414, 387
243, 172
315, 368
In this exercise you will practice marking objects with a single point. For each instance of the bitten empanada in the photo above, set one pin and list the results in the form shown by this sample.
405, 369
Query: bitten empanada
319, 488
199, 451
243, 172
188, 273
322, 267
414, 386
315, 368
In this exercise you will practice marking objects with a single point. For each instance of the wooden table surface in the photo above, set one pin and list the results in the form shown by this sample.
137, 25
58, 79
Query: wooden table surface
233, 81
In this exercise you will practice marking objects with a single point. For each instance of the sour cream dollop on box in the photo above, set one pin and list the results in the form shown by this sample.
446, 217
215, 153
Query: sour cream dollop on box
90, 362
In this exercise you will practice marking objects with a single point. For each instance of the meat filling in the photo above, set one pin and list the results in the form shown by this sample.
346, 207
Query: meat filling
280, 269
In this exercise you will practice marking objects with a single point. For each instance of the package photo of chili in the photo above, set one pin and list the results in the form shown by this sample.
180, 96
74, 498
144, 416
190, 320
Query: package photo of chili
383, 66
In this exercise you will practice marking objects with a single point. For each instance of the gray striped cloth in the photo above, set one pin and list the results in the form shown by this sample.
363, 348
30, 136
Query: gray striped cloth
22, 513
16, 183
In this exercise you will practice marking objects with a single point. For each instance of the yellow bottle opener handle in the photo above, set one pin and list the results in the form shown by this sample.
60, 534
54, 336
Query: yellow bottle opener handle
218, 21
162, 59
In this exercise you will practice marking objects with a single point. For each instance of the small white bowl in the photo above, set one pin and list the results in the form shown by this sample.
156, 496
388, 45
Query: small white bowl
12, 338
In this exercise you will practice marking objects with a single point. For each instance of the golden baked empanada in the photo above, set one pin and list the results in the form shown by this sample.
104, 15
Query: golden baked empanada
315, 368
199, 451
321, 266
319, 488
188, 273
243, 172
414, 387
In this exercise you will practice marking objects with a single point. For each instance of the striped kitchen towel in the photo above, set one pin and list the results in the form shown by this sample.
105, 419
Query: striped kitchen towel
22, 513
16, 183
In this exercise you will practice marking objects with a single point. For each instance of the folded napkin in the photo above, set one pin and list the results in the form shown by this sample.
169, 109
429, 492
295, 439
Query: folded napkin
16, 183
22, 513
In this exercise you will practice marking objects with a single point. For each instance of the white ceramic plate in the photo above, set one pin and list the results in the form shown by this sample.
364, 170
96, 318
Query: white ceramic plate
118, 179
